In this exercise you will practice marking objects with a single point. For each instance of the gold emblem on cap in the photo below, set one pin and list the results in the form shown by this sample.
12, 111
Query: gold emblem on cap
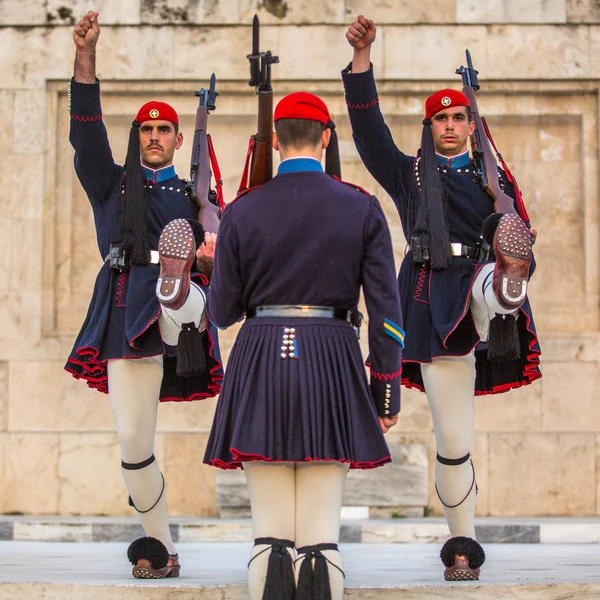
445, 101
154, 113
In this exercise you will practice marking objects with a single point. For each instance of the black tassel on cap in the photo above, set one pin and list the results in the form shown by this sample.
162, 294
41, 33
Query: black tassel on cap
133, 222
333, 165
191, 358
431, 219
503, 339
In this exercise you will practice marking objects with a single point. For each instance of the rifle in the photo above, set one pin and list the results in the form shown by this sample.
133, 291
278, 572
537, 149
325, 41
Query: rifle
209, 201
260, 148
486, 168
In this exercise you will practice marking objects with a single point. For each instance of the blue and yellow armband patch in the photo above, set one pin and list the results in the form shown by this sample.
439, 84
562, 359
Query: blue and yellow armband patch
394, 331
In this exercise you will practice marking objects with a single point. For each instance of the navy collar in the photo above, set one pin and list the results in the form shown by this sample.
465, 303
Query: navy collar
455, 162
160, 174
299, 164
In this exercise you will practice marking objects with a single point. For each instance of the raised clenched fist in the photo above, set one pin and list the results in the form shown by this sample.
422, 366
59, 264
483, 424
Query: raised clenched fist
86, 31
361, 34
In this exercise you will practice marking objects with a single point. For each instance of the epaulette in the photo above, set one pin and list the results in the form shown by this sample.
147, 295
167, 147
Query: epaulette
243, 193
353, 185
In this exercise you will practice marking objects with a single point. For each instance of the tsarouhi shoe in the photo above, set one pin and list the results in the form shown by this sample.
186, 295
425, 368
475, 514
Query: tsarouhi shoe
462, 557
177, 253
512, 248
151, 559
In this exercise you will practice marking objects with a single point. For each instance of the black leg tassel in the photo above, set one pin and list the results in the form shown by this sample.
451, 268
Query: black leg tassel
313, 582
280, 583
191, 356
503, 338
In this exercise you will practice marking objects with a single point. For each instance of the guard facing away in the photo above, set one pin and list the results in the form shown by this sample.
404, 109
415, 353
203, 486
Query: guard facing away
146, 337
296, 410
469, 327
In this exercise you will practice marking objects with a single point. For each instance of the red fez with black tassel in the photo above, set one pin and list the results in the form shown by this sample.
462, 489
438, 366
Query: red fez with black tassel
431, 222
303, 105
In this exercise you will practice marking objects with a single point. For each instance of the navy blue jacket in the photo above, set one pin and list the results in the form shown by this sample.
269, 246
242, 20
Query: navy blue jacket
122, 317
435, 304
307, 238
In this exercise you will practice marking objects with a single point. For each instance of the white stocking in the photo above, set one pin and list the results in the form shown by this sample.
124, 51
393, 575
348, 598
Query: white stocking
450, 387
134, 388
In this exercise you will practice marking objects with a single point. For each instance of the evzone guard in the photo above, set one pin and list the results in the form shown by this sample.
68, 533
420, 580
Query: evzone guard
296, 410
146, 337
463, 281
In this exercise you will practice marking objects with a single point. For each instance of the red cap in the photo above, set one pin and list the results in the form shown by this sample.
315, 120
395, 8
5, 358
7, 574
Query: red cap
160, 111
302, 105
443, 99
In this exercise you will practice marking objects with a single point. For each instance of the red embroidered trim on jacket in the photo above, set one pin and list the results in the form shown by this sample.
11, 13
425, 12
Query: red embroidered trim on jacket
120, 289
363, 105
86, 119
420, 284
386, 376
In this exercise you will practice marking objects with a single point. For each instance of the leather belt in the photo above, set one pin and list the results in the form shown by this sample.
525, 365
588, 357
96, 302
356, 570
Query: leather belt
154, 258
290, 311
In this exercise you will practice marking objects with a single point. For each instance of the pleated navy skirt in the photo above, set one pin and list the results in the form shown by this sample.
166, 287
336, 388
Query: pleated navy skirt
295, 390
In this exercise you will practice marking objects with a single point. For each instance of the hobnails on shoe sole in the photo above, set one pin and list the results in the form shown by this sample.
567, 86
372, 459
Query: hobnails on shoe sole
512, 247
177, 252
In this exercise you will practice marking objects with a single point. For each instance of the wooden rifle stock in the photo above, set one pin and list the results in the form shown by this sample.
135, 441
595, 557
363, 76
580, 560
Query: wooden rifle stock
485, 161
261, 165
200, 173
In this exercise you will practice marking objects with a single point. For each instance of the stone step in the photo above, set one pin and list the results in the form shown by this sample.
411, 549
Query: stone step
55, 571
368, 531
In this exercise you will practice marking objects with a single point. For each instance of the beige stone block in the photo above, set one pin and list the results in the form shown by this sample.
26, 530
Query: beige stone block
542, 474
7, 108
22, 195
27, 12
134, 52
43, 397
405, 57
30, 122
570, 401
401, 12
583, 11
29, 56
305, 53
20, 323
521, 52
193, 417
511, 11
112, 12
583, 347
595, 48
191, 485
415, 415
274, 12
90, 475
26, 268
517, 410
3, 395
29, 473
6, 252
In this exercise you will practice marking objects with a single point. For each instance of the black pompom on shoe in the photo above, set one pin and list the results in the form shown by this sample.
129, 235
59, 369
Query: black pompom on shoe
462, 557
150, 549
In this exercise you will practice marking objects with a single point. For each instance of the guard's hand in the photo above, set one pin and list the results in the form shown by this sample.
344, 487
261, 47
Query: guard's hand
387, 423
86, 31
361, 34
207, 248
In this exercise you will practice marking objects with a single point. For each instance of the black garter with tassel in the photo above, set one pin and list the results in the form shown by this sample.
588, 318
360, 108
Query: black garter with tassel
191, 357
313, 582
279, 583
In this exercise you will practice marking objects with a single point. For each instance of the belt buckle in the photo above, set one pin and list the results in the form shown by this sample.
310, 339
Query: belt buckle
456, 248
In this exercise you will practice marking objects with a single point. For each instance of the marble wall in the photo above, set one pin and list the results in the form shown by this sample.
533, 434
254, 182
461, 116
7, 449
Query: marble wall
536, 449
